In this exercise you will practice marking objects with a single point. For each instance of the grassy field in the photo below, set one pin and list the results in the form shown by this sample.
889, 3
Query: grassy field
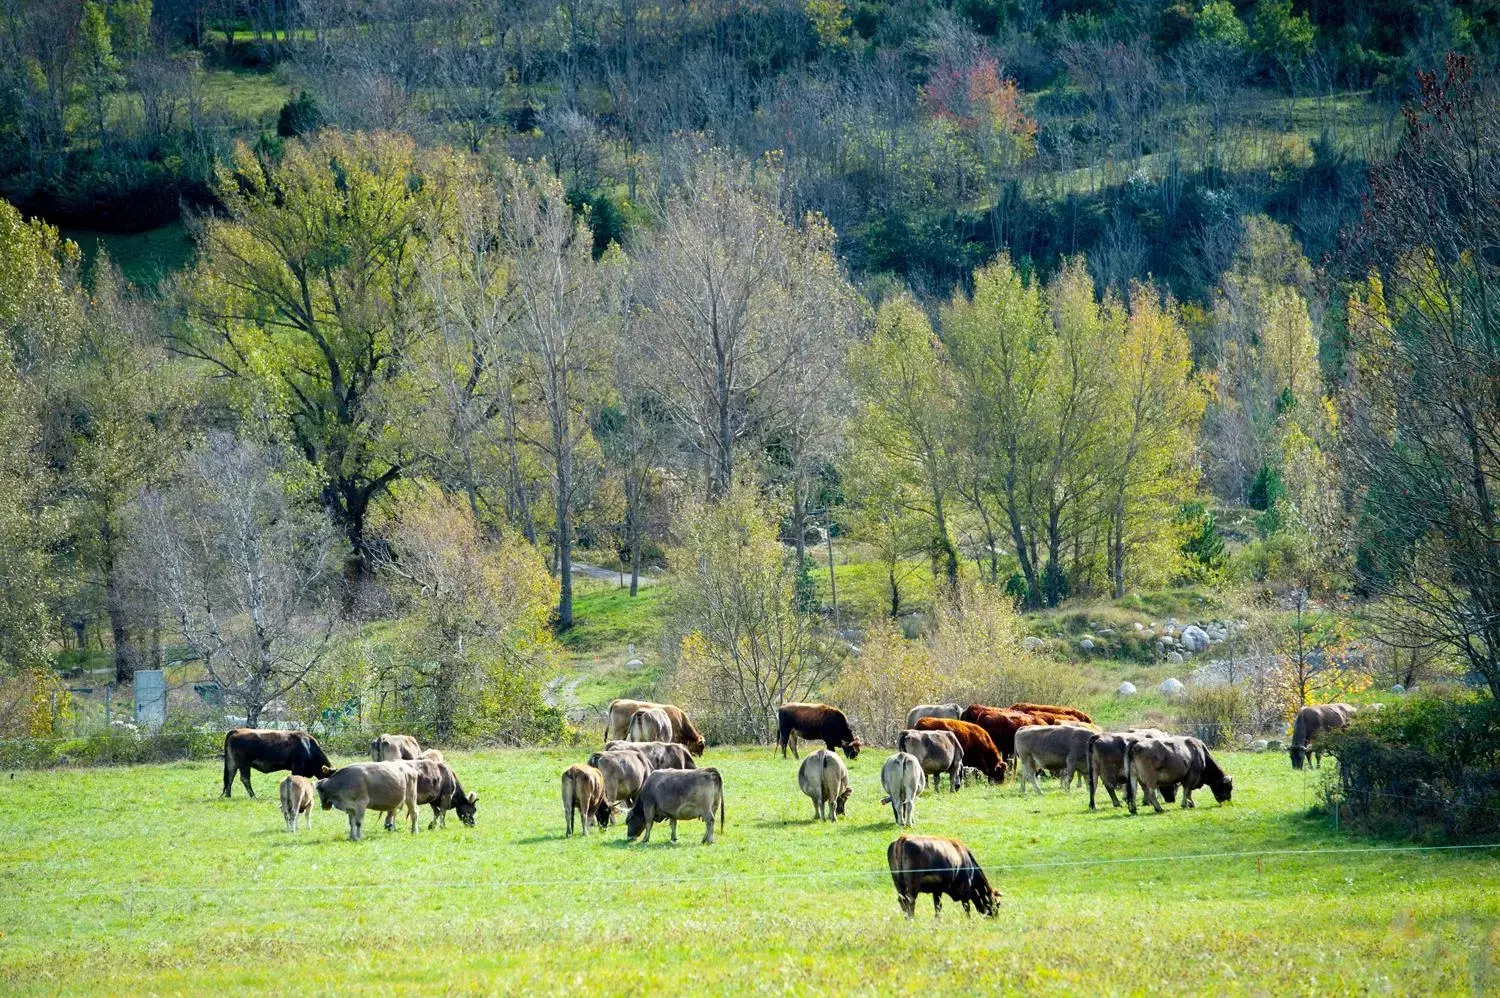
144, 880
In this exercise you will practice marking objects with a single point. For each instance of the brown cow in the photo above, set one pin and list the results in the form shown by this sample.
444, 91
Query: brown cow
583, 790
296, 801
389, 748
1001, 724
1047, 708
1313, 721
814, 722
979, 747
438, 786
271, 752
617, 723
1181, 761
677, 795
379, 786
924, 864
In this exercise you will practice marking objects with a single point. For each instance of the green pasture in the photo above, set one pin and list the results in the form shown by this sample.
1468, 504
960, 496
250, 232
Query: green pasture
145, 880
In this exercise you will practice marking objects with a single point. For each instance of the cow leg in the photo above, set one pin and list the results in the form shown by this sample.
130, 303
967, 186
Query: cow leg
937, 904
674, 829
646, 835
1113, 797
307, 818
390, 821
708, 836
245, 779
1155, 800
356, 819
1187, 798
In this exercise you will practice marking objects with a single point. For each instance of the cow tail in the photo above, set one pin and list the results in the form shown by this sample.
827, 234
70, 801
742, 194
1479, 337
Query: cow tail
1130, 751
720, 780
1093, 739
228, 765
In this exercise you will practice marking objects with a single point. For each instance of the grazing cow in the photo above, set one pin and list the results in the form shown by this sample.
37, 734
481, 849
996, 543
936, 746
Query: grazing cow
617, 723
677, 795
902, 778
814, 722
583, 790
438, 786
938, 752
1061, 750
296, 801
1107, 760
1181, 761
661, 755
271, 752
624, 774
433, 754
979, 748
389, 748
924, 864
1001, 724
650, 724
948, 710
378, 786
1313, 721
1047, 708
824, 777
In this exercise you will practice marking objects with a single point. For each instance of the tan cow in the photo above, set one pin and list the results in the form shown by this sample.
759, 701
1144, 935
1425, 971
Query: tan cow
1313, 721
824, 777
1061, 749
1181, 761
389, 748
371, 786
583, 791
650, 724
296, 801
1107, 760
938, 752
617, 723
677, 795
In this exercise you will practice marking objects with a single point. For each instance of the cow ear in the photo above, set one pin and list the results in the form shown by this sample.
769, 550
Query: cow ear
473, 798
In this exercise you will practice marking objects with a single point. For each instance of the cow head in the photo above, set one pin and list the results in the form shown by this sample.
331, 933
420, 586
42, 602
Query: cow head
324, 798
838, 805
603, 814
1299, 756
997, 775
851, 748
463, 804
696, 745
635, 821
1223, 789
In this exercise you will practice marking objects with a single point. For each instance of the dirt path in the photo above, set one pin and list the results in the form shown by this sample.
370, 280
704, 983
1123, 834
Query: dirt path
609, 574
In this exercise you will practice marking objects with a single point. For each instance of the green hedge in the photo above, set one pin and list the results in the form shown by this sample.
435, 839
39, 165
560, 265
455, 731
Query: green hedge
1428, 768
109, 749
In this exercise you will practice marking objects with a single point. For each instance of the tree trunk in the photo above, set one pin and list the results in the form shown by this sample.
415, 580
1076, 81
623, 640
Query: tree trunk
799, 523
114, 605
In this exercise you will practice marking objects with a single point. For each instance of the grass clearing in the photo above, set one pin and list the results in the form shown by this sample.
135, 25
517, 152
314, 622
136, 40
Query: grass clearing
143, 879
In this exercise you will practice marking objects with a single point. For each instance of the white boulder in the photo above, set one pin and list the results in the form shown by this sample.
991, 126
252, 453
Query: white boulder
1126, 689
1171, 688
1194, 639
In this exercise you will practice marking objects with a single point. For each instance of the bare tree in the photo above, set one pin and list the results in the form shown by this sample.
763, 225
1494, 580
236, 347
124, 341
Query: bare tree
243, 568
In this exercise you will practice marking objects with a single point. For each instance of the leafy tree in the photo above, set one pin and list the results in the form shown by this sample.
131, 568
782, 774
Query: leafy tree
308, 294
1218, 23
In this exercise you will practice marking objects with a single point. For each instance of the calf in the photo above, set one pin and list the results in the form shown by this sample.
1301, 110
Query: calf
814, 722
1061, 750
270, 752
389, 748
379, 786
1156, 764
677, 795
583, 790
902, 778
948, 710
661, 755
922, 864
824, 777
650, 724
1313, 721
1107, 760
296, 801
938, 752
979, 747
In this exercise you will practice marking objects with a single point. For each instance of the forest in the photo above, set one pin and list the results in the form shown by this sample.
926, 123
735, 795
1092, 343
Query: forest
350, 350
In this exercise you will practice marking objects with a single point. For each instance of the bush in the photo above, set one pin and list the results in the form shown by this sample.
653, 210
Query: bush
1428, 767
111, 748
1216, 714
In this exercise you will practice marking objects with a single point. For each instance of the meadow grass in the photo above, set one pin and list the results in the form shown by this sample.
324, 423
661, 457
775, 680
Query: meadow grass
143, 879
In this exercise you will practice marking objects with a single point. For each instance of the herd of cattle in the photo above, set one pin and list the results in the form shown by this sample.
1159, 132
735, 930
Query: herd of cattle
647, 769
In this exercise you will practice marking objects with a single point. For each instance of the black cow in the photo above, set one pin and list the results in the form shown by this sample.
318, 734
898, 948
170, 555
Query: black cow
271, 752
923, 864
